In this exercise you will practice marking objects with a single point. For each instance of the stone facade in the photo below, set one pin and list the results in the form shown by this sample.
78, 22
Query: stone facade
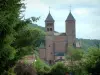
56, 43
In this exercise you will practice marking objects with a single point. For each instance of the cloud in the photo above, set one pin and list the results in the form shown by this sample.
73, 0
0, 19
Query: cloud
64, 3
86, 13
34, 7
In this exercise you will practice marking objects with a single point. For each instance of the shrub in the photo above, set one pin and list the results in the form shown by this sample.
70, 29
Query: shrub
59, 69
9, 72
24, 69
41, 67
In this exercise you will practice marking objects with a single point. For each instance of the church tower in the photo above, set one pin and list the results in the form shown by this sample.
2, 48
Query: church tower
49, 24
49, 38
70, 29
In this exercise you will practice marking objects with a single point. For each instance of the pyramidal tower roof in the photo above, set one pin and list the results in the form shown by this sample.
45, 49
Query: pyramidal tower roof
49, 18
70, 17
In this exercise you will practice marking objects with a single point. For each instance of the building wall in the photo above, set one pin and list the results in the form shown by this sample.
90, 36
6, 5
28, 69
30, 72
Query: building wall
60, 43
70, 31
53, 44
42, 53
49, 48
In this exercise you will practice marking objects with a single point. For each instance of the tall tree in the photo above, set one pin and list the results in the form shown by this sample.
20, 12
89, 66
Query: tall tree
16, 40
91, 61
9, 16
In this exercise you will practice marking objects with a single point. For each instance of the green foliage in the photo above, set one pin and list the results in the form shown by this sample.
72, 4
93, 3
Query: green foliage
36, 26
24, 69
16, 39
11, 71
74, 58
59, 69
87, 43
27, 41
74, 53
9, 17
41, 67
91, 61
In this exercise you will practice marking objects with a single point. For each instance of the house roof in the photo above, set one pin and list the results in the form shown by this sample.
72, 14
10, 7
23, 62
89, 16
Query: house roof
70, 17
63, 34
49, 18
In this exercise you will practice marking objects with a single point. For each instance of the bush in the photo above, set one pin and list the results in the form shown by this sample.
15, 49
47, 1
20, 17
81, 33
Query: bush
24, 69
41, 67
9, 72
59, 69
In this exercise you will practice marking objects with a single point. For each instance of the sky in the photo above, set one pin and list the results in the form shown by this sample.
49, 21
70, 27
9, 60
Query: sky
86, 13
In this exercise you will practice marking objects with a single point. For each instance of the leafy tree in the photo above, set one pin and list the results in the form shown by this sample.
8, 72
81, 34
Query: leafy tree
27, 45
9, 17
73, 59
92, 61
59, 69
16, 40
24, 69
74, 54
41, 67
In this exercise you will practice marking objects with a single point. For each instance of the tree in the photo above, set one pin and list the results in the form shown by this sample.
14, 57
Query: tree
16, 40
41, 67
97, 44
92, 61
74, 53
9, 16
73, 57
27, 45
59, 69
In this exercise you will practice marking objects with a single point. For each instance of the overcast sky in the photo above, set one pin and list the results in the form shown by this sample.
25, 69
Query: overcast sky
86, 13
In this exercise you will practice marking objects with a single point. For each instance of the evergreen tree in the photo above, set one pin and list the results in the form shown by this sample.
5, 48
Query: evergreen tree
16, 40
9, 16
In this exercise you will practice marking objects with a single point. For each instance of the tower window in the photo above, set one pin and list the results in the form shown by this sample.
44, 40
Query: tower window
47, 29
50, 29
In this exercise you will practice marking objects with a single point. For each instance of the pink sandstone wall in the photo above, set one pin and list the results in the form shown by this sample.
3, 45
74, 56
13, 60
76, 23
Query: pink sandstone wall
70, 31
42, 53
60, 43
49, 48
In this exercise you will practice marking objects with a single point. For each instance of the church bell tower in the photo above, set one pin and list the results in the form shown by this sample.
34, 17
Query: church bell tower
49, 25
70, 29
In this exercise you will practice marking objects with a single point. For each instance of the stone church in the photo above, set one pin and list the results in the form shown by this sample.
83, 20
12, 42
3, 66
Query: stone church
56, 43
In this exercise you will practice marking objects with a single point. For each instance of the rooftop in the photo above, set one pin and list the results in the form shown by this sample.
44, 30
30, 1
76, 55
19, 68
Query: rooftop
49, 18
70, 17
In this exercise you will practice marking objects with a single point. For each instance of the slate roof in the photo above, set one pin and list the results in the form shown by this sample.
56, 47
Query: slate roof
63, 34
70, 17
49, 18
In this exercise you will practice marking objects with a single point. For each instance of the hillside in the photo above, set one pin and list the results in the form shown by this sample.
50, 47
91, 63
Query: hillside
85, 43
36, 26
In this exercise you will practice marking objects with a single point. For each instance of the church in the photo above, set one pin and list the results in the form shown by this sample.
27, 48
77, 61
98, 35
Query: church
56, 43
